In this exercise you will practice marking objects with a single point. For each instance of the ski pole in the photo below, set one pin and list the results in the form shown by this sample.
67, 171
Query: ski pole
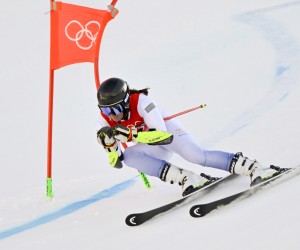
184, 112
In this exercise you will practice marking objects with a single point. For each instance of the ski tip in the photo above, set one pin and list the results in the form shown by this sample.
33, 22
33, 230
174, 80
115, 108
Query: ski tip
131, 220
196, 212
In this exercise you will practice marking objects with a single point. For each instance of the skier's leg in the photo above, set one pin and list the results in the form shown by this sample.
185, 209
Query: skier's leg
148, 159
186, 146
152, 160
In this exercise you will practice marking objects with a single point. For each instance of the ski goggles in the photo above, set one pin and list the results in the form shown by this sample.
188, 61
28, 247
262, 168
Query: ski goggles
115, 109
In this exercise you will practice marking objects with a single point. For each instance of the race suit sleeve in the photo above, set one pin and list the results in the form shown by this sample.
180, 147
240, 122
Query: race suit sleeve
152, 114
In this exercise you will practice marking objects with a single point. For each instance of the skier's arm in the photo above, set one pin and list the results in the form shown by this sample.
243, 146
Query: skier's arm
151, 113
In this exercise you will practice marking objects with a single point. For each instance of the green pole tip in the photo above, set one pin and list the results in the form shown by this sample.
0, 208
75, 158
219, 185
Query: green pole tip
49, 188
145, 180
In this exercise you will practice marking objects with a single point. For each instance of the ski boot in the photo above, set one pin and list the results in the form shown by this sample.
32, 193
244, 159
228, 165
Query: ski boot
189, 181
258, 173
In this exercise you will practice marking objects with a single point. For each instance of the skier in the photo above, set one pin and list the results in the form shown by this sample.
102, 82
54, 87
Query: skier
128, 111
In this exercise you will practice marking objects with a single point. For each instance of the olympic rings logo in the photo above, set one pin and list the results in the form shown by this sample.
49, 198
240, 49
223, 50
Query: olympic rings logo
84, 36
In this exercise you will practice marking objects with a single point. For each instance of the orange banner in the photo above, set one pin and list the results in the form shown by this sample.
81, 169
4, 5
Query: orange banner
76, 33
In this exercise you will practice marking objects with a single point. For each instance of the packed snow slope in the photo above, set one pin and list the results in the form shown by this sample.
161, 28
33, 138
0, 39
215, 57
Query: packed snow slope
241, 58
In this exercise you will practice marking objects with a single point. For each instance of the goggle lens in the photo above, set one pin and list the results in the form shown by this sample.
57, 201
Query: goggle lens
116, 109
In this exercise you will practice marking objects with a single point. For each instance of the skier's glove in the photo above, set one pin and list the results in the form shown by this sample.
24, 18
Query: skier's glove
106, 139
124, 134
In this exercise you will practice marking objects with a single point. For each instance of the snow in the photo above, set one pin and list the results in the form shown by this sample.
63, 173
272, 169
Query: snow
241, 58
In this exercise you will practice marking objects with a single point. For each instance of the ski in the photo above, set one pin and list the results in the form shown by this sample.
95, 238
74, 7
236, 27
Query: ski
201, 210
139, 218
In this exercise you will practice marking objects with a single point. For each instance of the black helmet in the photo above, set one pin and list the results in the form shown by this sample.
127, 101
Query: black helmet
113, 97
113, 91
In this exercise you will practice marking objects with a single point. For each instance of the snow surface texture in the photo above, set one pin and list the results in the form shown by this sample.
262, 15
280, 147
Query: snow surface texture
241, 58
